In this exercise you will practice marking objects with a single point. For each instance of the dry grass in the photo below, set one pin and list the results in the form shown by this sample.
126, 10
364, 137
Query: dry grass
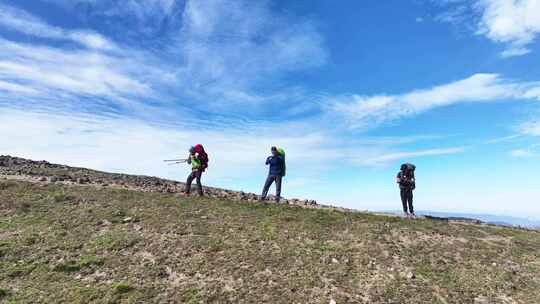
61, 244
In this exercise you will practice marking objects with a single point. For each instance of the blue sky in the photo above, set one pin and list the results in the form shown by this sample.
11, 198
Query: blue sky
350, 91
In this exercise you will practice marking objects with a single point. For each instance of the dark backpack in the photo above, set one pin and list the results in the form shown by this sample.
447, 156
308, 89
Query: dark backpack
410, 168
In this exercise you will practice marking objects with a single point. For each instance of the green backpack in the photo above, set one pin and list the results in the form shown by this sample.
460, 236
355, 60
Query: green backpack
281, 152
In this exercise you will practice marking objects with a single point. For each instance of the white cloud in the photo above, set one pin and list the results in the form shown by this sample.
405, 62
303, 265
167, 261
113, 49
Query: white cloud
21, 21
368, 111
515, 23
118, 144
522, 153
385, 158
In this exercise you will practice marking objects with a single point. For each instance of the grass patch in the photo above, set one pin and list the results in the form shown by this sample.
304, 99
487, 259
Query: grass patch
192, 296
5, 185
3, 293
324, 248
115, 241
268, 229
74, 266
60, 196
122, 288
19, 270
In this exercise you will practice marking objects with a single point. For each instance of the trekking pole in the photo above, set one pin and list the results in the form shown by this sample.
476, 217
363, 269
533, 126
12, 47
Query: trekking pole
183, 160
176, 163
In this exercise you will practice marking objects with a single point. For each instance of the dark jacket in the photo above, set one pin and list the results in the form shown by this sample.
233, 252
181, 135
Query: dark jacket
276, 165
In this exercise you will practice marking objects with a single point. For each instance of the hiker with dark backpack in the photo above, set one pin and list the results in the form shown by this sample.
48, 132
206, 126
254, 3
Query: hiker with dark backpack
276, 172
198, 159
407, 183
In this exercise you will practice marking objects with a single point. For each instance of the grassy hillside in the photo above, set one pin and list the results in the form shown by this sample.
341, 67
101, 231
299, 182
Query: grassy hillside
89, 244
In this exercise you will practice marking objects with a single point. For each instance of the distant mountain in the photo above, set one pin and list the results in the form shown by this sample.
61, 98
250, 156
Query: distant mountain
487, 218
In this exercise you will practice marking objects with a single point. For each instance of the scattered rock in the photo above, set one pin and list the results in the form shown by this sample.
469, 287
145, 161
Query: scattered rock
83, 180
53, 179
481, 300
43, 179
332, 301
104, 223
410, 275
127, 220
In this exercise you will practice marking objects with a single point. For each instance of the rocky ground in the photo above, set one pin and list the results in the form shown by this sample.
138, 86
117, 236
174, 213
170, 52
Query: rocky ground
70, 235
45, 172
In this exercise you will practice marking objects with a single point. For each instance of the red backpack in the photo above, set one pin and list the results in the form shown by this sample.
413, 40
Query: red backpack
203, 156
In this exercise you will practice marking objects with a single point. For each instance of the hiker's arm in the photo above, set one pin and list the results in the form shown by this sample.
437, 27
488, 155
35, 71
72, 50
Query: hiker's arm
268, 160
189, 159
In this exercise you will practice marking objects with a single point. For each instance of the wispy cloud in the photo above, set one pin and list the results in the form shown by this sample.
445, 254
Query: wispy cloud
221, 52
504, 139
369, 111
47, 73
19, 20
385, 158
522, 153
230, 47
530, 128
148, 13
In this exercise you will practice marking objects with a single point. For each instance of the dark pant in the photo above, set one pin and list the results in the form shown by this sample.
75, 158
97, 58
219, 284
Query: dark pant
268, 183
407, 198
196, 174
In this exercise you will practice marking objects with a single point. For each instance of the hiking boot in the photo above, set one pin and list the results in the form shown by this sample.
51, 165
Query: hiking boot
183, 193
407, 215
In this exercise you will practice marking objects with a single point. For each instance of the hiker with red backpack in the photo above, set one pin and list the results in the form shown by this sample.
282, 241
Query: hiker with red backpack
407, 183
276, 163
198, 159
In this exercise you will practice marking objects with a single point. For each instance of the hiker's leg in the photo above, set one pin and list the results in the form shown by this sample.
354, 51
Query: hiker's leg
188, 183
410, 200
199, 184
278, 187
266, 187
403, 193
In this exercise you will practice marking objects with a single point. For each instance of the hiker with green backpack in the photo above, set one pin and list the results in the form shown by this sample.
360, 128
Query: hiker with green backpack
198, 159
276, 163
